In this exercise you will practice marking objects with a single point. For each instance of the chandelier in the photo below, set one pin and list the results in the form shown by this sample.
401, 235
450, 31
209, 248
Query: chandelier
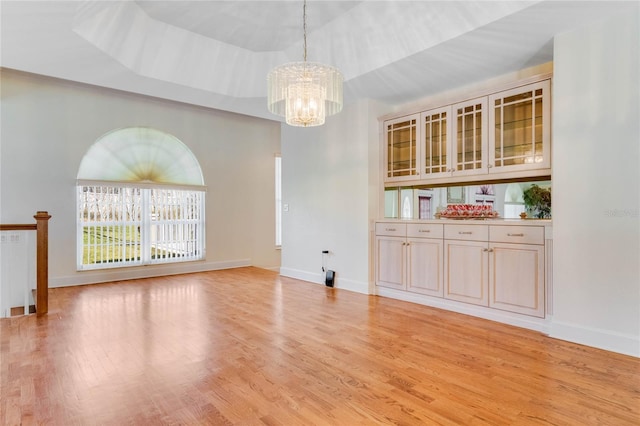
304, 92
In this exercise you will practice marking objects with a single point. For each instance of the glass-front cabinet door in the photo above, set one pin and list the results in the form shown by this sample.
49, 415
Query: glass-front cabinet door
470, 133
435, 143
504, 135
520, 126
402, 148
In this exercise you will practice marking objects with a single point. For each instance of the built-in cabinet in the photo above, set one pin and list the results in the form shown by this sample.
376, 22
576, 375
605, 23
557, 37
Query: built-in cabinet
391, 263
502, 135
497, 266
470, 146
409, 257
517, 269
435, 149
466, 263
520, 123
402, 151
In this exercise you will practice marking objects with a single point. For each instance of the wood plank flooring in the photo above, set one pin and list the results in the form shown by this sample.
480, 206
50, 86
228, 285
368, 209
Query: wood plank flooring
248, 347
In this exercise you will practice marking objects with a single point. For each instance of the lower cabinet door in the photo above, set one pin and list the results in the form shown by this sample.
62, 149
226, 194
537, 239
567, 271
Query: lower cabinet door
424, 266
517, 278
390, 262
466, 274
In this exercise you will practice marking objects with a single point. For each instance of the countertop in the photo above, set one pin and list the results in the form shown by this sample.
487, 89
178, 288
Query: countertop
498, 221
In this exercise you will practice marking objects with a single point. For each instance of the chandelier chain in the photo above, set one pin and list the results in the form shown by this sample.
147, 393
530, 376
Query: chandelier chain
304, 28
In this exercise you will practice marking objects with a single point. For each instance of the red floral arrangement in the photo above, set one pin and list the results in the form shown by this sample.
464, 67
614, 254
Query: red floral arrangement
469, 211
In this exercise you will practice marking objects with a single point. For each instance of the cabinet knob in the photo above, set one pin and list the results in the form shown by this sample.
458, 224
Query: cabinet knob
390, 229
424, 230
465, 232
515, 235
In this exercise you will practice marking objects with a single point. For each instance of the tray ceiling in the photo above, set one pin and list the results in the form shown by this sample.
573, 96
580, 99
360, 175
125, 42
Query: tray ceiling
217, 53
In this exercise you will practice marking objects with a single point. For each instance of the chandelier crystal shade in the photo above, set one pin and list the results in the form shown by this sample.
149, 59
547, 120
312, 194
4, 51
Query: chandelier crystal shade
304, 92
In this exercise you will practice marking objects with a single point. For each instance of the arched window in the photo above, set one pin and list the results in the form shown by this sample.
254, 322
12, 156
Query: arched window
141, 200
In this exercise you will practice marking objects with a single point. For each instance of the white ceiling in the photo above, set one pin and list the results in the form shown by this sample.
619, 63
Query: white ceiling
217, 53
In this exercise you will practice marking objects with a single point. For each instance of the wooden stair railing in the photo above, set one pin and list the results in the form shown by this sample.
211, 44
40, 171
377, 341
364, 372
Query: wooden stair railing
42, 257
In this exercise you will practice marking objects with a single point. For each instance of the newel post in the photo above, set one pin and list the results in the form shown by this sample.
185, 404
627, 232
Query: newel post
42, 262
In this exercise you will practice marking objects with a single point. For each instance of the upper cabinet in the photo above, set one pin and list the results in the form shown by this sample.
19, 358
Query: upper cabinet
402, 148
503, 135
470, 150
520, 126
434, 143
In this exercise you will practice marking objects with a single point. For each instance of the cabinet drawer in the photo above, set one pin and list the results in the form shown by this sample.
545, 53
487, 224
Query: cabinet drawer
517, 234
466, 232
424, 230
391, 229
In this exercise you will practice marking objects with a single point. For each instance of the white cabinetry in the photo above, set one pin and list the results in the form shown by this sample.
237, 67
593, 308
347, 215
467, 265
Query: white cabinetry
402, 149
470, 144
390, 255
409, 257
497, 266
424, 259
520, 136
503, 135
417, 146
517, 270
435, 145
466, 263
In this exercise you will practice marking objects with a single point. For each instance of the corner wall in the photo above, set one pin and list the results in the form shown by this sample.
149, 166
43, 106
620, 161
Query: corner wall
596, 185
328, 186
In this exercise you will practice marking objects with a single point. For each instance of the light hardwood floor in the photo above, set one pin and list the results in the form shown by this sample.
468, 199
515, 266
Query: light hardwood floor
246, 346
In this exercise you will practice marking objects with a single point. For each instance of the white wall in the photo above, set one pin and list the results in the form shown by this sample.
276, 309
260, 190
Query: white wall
596, 185
330, 184
48, 125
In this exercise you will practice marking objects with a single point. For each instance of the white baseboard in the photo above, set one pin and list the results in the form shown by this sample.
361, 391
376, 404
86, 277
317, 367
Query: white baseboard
318, 278
302, 275
147, 271
603, 339
351, 285
532, 323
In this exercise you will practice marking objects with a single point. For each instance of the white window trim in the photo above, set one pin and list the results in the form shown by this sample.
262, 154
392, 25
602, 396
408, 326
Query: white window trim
196, 249
278, 200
